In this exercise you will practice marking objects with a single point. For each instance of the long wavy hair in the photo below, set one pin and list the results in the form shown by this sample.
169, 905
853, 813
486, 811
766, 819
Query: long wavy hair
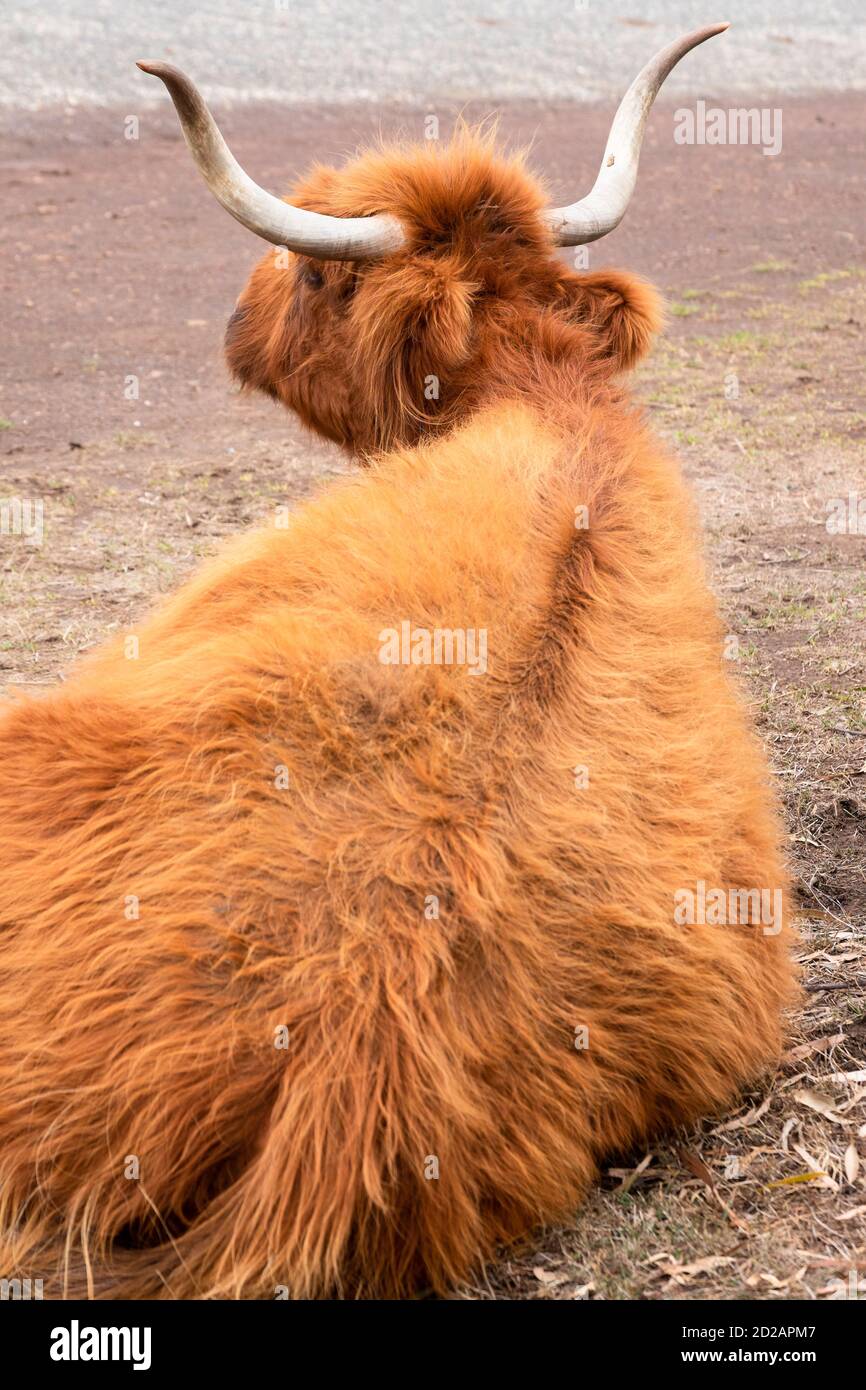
327, 973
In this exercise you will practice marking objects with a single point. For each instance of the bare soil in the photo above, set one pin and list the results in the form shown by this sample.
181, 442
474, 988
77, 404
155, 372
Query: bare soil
120, 265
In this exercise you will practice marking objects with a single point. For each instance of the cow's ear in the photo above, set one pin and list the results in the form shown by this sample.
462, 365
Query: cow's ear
620, 310
415, 325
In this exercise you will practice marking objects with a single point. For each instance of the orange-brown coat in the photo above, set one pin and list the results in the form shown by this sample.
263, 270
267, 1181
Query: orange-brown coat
370, 966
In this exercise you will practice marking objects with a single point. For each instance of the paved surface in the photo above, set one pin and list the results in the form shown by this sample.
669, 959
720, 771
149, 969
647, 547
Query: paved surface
83, 51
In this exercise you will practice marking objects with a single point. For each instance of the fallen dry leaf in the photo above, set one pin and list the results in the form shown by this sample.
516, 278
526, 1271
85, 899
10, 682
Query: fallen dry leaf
548, 1277
852, 1163
703, 1266
815, 1101
786, 1130
795, 1178
626, 1184
751, 1117
696, 1166
812, 1165
807, 1049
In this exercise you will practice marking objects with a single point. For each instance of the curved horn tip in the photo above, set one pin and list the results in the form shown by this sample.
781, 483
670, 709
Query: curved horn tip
605, 205
273, 219
166, 72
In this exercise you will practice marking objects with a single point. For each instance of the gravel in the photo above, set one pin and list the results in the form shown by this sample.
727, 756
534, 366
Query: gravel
82, 52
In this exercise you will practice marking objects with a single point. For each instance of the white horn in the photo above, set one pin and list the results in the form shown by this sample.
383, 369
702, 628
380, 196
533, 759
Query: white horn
604, 208
310, 233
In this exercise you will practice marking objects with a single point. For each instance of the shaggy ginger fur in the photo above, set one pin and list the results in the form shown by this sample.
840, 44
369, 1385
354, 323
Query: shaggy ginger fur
170, 906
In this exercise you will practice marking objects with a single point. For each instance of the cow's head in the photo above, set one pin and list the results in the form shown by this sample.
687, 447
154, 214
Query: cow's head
406, 286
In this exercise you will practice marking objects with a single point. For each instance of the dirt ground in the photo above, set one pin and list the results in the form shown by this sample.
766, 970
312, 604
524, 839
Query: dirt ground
119, 265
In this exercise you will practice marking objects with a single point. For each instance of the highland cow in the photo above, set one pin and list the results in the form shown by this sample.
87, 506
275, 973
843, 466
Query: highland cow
336, 972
